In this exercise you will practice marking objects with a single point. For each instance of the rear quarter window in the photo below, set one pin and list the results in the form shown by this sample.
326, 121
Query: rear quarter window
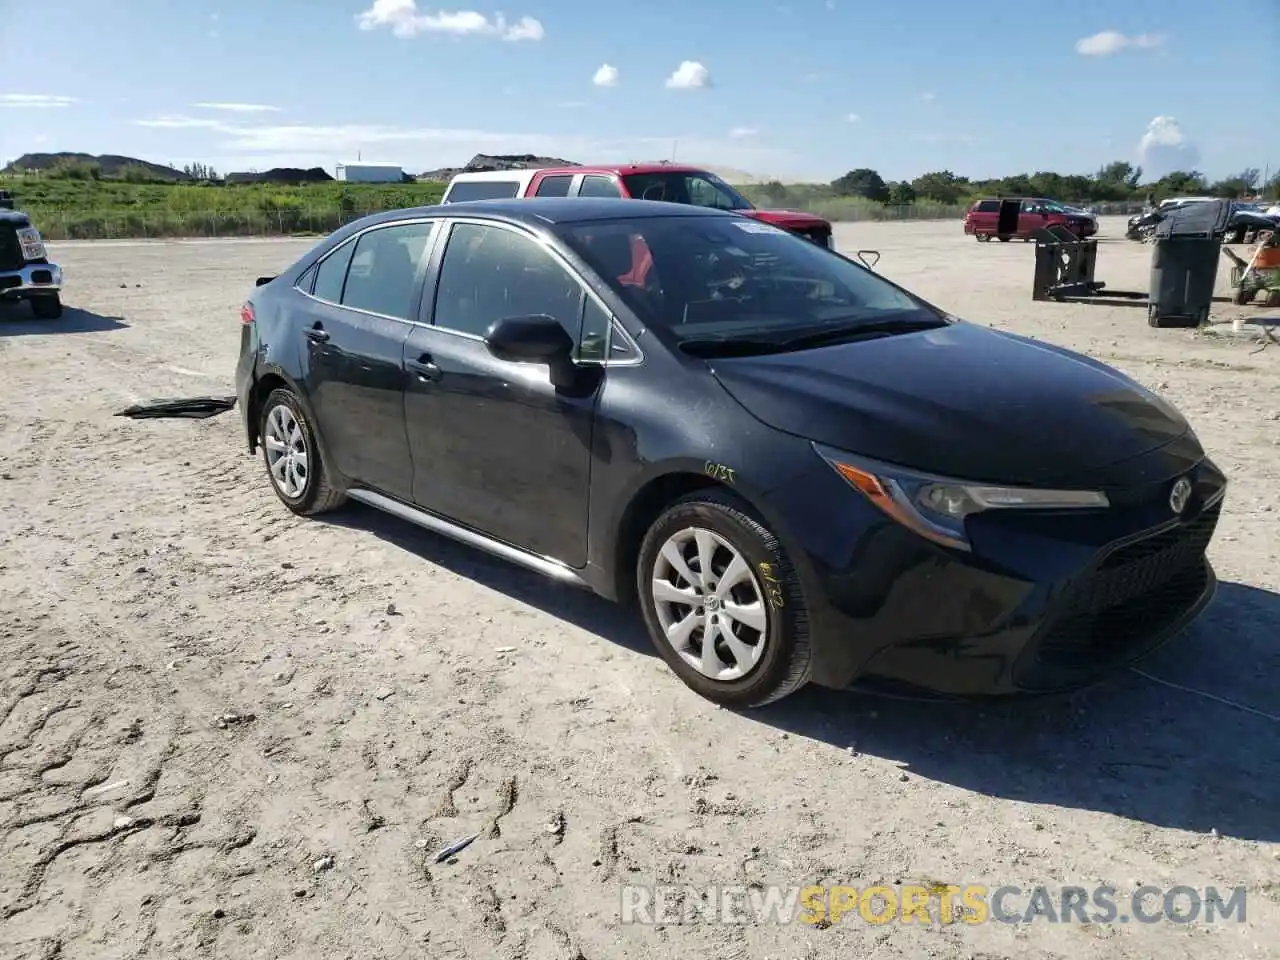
988, 206
483, 190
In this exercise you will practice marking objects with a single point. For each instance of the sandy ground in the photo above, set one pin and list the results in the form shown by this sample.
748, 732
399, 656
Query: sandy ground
229, 732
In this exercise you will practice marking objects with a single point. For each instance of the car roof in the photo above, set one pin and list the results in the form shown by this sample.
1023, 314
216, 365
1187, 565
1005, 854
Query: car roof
551, 210
620, 169
483, 176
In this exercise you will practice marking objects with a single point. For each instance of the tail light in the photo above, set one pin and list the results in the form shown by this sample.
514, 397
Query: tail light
246, 314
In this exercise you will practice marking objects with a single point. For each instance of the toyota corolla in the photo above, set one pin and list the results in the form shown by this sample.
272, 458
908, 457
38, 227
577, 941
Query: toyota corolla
796, 469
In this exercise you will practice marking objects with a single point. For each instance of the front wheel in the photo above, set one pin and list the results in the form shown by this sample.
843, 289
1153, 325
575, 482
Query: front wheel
292, 456
983, 237
722, 603
47, 306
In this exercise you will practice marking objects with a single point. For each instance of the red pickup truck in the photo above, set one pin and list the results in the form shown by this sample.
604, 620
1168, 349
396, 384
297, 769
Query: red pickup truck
642, 181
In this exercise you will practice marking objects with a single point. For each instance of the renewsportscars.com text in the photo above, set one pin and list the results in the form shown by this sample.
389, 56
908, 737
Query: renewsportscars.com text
936, 904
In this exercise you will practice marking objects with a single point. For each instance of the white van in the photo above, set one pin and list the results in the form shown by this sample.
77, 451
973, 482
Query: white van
488, 185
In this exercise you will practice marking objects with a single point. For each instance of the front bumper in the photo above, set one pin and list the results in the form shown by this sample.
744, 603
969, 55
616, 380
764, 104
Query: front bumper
30, 280
1044, 603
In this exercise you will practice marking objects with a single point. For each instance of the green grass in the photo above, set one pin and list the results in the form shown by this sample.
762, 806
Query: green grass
96, 209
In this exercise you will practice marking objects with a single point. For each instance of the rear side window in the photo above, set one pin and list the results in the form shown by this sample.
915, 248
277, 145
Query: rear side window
384, 270
483, 190
332, 273
598, 187
556, 186
988, 206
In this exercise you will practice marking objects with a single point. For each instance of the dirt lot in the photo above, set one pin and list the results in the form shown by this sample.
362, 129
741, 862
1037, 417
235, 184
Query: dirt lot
228, 732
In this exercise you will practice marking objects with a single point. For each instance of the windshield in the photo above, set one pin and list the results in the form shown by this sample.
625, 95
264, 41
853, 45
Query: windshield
735, 279
697, 187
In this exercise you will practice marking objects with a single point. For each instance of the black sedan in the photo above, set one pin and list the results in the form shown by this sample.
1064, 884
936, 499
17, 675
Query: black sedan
800, 471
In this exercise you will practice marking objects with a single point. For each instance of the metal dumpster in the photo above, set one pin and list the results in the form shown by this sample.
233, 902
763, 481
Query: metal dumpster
1184, 264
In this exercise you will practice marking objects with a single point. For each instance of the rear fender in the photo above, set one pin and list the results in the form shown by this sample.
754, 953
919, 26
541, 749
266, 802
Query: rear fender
268, 377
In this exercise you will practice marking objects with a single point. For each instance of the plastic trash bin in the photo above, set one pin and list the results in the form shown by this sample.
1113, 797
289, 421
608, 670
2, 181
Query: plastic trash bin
1184, 264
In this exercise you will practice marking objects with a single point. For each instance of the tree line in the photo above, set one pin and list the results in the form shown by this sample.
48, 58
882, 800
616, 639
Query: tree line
1115, 182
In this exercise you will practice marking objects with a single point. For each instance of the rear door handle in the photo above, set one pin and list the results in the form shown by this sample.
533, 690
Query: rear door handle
317, 334
425, 368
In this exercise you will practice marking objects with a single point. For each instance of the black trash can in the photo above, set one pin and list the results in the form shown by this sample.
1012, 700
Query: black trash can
1184, 264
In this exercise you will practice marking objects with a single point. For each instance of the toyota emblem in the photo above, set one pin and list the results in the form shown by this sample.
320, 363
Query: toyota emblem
1180, 495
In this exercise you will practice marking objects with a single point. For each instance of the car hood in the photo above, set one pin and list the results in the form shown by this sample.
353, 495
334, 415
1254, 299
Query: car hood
962, 401
786, 218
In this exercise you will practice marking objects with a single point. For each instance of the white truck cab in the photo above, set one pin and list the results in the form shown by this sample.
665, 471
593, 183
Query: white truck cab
488, 185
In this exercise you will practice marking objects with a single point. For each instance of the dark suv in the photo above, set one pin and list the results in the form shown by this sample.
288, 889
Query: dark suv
801, 471
25, 270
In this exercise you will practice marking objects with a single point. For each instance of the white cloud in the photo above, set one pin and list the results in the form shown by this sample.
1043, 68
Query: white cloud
1165, 148
238, 107
232, 144
606, 76
928, 97
404, 21
1107, 42
170, 122
34, 100
851, 118
743, 133
690, 75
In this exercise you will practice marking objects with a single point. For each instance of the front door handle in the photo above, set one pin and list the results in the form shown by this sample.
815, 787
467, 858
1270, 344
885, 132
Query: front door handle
318, 334
425, 368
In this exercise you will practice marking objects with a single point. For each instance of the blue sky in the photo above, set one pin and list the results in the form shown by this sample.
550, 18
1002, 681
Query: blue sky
799, 89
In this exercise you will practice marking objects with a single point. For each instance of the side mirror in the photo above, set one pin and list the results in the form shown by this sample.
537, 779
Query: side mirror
864, 254
532, 339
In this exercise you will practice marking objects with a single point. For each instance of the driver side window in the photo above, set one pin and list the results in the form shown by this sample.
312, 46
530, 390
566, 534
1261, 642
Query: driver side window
704, 193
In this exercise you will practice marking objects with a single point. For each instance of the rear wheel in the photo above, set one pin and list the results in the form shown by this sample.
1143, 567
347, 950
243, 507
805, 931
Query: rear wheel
1002, 238
983, 237
292, 456
47, 306
722, 602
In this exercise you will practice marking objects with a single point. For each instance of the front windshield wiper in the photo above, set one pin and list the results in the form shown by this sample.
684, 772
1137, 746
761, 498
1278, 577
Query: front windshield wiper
729, 347
832, 333
851, 331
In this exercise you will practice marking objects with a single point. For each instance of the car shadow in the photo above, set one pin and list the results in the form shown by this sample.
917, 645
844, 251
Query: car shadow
1133, 747
611, 621
16, 320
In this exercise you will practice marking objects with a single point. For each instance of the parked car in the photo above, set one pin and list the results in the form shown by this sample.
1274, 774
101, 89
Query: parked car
799, 470
667, 182
26, 272
1035, 213
1248, 221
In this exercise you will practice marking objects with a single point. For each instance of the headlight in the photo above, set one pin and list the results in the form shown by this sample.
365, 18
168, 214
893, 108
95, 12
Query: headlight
936, 507
32, 243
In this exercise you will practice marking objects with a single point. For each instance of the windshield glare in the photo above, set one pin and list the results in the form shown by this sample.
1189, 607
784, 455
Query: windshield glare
734, 278
697, 188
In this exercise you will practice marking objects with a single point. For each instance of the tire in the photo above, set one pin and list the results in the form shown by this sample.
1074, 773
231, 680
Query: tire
1003, 239
314, 494
47, 306
778, 661
983, 237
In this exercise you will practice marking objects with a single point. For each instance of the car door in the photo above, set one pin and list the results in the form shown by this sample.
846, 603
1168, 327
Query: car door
496, 446
356, 319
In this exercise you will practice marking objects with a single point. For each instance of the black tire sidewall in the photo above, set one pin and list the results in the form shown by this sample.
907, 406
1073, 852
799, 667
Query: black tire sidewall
787, 625
284, 397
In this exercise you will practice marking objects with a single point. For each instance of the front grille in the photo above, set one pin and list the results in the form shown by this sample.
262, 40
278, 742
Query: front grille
10, 249
1131, 596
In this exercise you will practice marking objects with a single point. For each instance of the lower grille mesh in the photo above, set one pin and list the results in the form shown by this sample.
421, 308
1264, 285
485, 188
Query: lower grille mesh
1133, 594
